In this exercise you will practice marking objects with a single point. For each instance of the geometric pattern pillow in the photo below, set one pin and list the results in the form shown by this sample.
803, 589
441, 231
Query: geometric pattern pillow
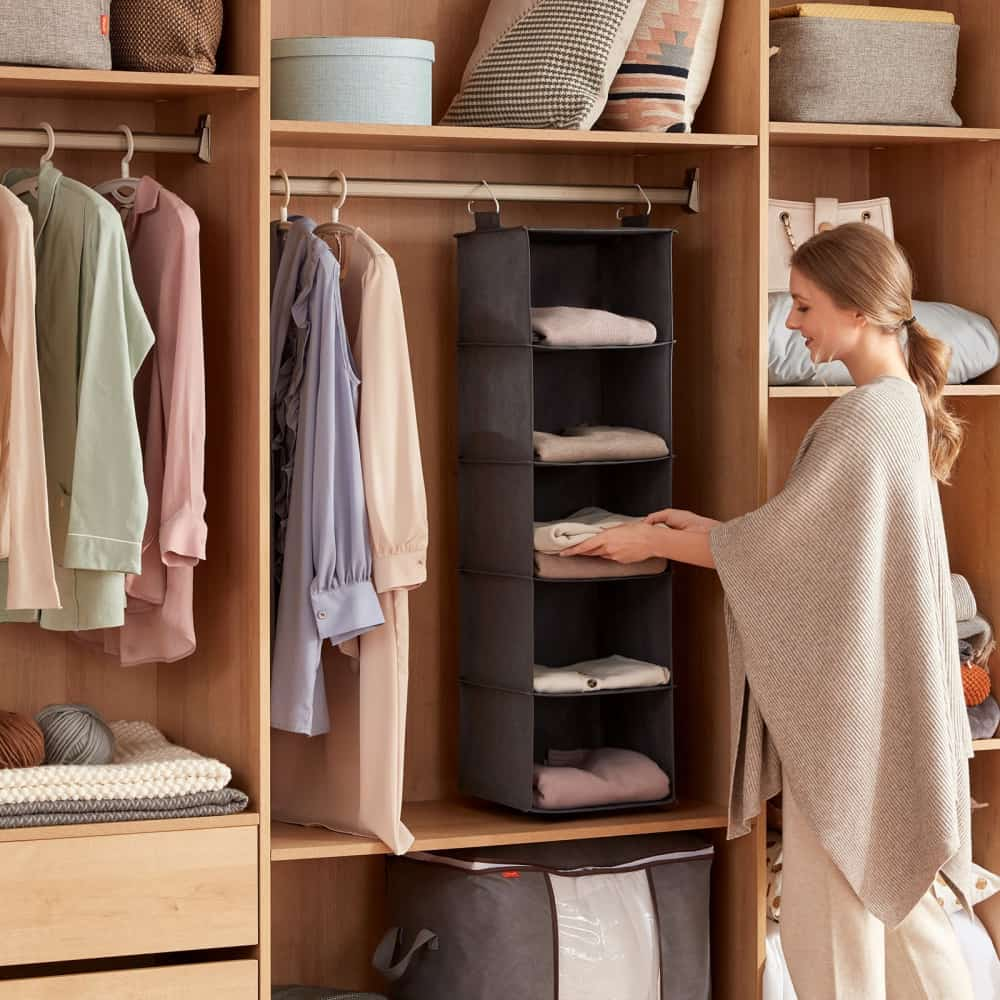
667, 67
544, 63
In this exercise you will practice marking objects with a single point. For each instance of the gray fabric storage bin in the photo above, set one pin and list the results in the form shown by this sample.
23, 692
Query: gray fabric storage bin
70, 34
497, 923
863, 72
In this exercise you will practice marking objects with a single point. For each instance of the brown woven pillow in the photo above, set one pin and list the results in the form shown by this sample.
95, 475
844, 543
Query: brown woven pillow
166, 36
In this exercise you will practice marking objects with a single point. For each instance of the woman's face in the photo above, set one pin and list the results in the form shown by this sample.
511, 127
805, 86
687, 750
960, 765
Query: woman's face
830, 333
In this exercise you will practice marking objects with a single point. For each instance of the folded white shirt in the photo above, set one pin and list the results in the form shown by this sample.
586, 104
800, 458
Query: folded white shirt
611, 673
551, 537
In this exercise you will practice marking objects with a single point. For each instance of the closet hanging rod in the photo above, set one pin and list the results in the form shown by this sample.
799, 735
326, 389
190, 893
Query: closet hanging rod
328, 187
198, 145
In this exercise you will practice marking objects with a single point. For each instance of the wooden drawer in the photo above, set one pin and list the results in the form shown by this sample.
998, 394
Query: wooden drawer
211, 981
130, 894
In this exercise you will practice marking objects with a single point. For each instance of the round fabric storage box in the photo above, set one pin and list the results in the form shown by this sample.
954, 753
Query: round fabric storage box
378, 80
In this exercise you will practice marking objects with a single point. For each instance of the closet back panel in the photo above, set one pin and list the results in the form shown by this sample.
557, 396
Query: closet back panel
633, 489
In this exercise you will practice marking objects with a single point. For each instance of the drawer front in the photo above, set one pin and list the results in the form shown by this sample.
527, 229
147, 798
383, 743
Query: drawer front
130, 894
211, 981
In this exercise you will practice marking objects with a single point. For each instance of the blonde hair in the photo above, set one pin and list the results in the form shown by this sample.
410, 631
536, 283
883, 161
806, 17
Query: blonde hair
860, 268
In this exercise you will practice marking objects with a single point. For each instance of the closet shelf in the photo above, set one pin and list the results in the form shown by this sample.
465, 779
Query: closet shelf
871, 136
980, 745
819, 391
69, 83
450, 825
75, 830
460, 139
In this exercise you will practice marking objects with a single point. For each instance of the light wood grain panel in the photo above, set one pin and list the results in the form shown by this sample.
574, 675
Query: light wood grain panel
148, 826
732, 100
328, 916
803, 174
453, 26
128, 895
31, 81
218, 980
246, 25
873, 136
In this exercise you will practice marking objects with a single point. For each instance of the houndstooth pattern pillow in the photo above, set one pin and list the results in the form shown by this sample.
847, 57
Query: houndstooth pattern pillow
544, 63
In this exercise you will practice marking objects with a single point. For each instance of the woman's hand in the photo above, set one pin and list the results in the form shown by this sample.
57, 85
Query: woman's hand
682, 520
630, 543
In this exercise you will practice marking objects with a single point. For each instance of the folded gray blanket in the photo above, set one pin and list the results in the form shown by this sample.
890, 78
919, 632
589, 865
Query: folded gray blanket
577, 779
65, 812
984, 719
571, 326
599, 444
549, 567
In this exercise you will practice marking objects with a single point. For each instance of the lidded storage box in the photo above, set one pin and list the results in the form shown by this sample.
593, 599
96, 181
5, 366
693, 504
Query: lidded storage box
623, 918
846, 63
377, 80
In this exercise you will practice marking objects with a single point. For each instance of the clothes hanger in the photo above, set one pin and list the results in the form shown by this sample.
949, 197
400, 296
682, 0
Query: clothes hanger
283, 222
122, 189
30, 184
333, 232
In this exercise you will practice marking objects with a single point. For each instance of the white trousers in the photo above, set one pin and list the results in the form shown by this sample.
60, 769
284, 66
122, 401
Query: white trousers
836, 950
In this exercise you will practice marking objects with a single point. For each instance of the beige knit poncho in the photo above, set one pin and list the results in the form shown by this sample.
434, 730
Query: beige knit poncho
844, 653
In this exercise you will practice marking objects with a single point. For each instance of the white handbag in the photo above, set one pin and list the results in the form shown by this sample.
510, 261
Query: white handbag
791, 223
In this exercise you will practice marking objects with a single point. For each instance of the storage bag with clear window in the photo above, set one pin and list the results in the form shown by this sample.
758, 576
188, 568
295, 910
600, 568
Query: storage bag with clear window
623, 918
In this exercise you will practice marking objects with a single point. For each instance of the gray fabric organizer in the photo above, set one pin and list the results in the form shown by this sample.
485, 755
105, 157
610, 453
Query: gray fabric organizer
509, 387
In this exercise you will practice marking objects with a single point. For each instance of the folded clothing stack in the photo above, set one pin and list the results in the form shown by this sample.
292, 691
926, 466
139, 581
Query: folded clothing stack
572, 326
975, 645
581, 779
552, 537
595, 443
148, 778
611, 673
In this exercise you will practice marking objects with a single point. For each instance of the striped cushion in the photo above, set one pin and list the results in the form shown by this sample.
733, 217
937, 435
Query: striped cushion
544, 63
666, 69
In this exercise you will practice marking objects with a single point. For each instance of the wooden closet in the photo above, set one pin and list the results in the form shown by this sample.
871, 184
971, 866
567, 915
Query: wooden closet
226, 907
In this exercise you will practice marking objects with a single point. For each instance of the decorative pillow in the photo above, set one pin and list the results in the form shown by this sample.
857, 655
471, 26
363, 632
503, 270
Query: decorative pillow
774, 866
544, 63
666, 69
972, 338
984, 885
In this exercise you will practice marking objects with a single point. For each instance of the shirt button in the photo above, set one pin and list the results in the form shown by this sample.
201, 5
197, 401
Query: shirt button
322, 616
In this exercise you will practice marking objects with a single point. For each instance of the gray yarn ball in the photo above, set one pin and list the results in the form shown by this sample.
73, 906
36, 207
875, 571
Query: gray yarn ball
75, 734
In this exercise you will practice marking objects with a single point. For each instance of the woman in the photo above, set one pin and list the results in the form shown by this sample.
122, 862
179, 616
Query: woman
846, 690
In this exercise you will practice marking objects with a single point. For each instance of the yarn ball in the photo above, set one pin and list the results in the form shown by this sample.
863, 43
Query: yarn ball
976, 684
75, 734
21, 741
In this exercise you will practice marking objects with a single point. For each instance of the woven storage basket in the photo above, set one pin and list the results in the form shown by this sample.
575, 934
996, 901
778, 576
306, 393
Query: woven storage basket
72, 34
862, 71
166, 36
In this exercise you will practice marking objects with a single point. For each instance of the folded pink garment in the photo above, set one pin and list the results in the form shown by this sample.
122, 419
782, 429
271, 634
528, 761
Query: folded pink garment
577, 779
552, 567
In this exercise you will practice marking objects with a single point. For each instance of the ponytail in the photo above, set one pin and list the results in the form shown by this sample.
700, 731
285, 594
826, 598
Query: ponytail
927, 360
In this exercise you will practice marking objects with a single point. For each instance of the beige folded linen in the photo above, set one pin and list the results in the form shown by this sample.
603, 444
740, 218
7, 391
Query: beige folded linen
965, 600
571, 326
550, 567
862, 12
581, 525
596, 443
610, 673
577, 779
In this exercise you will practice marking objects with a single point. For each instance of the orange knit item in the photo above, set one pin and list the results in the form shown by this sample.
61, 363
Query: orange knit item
21, 741
975, 683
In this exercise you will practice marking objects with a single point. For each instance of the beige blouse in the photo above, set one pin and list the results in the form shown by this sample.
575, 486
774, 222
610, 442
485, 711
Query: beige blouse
24, 510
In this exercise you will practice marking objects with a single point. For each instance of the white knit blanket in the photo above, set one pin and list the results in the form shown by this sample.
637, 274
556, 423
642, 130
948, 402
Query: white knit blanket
145, 765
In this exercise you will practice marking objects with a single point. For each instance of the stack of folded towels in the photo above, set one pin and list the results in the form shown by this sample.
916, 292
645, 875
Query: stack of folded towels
148, 778
552, 537
975, 635
572, 326
582, 779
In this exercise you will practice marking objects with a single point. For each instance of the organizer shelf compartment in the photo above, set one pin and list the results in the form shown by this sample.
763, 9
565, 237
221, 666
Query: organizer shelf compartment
520, 728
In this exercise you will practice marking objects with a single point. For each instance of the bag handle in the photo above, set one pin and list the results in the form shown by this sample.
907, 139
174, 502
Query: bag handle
382, 960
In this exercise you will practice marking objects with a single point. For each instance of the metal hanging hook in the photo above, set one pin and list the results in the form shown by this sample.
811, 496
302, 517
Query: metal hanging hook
335, 214
496, 204
620, 214
130, 152
51, 135
288, 195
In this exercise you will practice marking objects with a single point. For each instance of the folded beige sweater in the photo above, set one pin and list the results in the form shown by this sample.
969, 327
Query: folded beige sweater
599, 444
571, 326
550, 567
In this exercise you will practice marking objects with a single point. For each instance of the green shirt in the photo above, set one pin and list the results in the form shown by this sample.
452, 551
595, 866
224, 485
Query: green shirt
92, 337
